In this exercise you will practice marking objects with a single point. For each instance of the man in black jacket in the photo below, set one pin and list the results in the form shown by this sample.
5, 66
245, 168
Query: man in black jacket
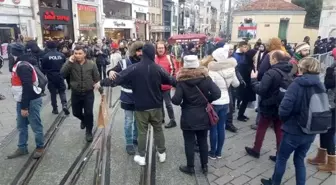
29, 102
146, 79
51, 64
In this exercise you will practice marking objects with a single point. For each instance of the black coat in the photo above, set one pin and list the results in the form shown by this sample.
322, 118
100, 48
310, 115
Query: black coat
269, 86
194, 116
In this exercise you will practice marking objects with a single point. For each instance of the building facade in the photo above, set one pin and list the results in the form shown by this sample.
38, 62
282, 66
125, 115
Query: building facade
140, 16
327, 26
175, 17
88, 18
16, 18
156, 22
118, 23
264, 21
205, 16
167, 6
214, 21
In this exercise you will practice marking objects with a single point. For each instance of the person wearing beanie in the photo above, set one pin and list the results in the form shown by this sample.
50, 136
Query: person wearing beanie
51, 64
190, 50
194, 90
115, 55
302, 50
27, 94
148, 99
126, 95
222, 72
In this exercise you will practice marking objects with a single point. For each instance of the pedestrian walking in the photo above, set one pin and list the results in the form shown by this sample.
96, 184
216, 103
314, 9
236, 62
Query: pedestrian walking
193, 86
51, 64
27, 94
146, 78
83, 75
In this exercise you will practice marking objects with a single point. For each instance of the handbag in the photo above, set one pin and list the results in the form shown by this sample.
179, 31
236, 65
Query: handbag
213, 117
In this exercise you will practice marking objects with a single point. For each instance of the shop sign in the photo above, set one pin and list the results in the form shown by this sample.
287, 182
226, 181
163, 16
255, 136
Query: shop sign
86, 8
119, 24
55, 16
157, 28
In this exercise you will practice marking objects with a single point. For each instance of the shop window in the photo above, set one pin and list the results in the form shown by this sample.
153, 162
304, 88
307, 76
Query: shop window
118, 10
153, 18
63, 4
158, 18
117, 34
87, 18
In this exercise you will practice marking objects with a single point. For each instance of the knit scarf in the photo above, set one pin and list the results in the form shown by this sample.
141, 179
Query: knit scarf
297, 56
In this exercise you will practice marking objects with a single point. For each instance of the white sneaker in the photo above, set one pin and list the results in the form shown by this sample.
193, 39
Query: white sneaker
162, 157
140, 160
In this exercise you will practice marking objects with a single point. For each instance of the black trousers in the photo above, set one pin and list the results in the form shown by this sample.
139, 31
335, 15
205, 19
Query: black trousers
327, 140
189, 145
102, 71
242, 108
53, 89
169, 106
82, 108
229, 115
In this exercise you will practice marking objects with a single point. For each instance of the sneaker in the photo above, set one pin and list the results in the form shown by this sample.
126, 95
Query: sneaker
140, 160
66, 110
211, 156
38, 153
82, 125
251, 152
18, 153
89, 137
266, 181
219, 156
171, 124
231, 128
162, 157
130, 150
272, 158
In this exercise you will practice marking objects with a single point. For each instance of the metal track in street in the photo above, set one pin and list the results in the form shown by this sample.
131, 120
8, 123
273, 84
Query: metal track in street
29, 168
148, 172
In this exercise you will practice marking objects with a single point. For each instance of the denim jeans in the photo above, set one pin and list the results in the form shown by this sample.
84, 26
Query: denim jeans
169, 106
217, 132
299, 144
130, 128
34, 119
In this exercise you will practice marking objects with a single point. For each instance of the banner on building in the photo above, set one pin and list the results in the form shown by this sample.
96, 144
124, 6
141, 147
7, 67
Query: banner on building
247, 30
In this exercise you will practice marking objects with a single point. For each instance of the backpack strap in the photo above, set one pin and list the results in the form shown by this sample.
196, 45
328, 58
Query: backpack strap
172, 66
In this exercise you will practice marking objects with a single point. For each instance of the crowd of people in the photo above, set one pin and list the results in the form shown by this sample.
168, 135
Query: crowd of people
283, 81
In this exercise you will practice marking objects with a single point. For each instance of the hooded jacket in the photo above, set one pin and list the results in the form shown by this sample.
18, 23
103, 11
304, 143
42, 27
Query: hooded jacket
223, 73
290, 107
269, 86
145, 79
194, 116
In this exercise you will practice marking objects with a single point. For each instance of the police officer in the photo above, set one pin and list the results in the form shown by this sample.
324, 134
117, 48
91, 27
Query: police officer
52, 63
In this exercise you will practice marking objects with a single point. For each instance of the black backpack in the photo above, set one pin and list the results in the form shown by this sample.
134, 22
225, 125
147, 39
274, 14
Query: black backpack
278, 95
330, 78
42, 79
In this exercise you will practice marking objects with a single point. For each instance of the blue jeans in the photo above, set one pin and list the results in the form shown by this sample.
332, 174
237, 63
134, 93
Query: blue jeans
34, 119
299, 144
217, 132
130, 128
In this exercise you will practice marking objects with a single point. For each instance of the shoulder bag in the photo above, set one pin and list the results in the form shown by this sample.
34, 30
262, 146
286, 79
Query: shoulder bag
213, 117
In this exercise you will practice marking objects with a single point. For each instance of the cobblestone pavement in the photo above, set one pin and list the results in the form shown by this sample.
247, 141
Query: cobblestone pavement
237, 168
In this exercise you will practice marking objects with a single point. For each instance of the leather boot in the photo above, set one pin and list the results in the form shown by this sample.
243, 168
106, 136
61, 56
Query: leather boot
330, 167
187, 170
321, 157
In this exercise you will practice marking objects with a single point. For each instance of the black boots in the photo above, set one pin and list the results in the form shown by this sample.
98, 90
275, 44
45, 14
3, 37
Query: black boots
89, 137
55, 111
187, 170
66, 110
171, 124
231, 128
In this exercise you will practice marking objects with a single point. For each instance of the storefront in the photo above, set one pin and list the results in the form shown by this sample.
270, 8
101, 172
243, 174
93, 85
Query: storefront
16, 18
118, 29
56, 23
140, 15
88, 18
159, 32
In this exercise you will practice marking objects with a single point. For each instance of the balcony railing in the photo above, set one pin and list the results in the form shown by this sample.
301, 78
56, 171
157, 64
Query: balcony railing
119, 16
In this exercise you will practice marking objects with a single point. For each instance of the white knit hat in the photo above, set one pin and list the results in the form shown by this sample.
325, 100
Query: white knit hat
221, 54
301, 46
190, 61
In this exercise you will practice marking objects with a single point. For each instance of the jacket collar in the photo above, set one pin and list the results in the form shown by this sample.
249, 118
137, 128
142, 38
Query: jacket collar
220, 65
188, 74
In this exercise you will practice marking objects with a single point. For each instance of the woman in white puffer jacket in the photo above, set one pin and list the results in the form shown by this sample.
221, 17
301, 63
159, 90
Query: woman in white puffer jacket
222, 71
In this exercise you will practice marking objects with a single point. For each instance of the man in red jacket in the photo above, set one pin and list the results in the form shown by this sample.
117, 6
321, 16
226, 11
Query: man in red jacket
167, 63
